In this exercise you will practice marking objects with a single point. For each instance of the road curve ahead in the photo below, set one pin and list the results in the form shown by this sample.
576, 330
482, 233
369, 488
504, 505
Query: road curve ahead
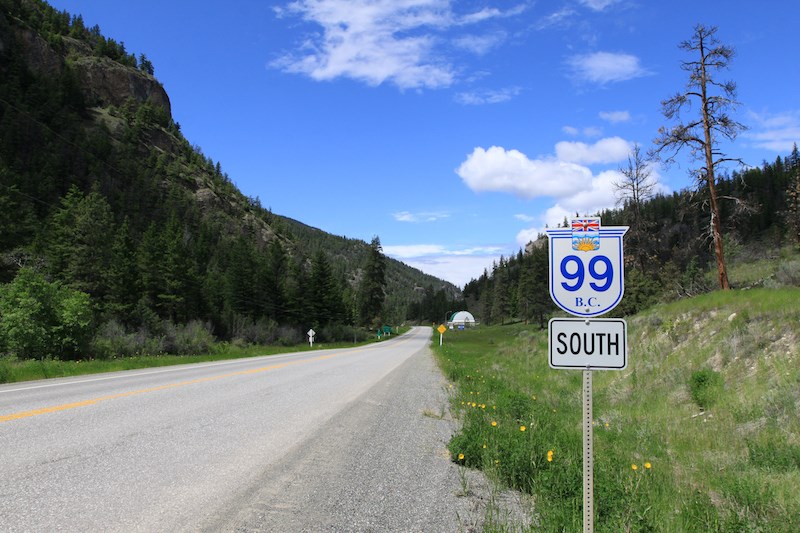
329, 440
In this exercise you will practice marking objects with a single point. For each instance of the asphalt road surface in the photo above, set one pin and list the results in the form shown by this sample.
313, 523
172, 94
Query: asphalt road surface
329, 440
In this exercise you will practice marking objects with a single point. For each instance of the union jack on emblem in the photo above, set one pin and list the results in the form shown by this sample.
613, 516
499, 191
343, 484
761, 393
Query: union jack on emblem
585, 224
585, 234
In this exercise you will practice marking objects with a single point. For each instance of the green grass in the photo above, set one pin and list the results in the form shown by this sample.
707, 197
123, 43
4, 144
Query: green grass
13, 370
709, 401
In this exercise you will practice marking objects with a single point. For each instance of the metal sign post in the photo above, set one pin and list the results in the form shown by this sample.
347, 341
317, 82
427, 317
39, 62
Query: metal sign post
441, 329
311, 334
588, 455
587, 280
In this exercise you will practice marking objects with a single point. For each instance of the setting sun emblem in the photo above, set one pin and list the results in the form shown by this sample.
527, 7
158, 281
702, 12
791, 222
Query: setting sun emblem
585, 234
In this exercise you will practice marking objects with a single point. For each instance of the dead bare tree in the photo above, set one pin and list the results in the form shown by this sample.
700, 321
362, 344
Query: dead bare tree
702, 134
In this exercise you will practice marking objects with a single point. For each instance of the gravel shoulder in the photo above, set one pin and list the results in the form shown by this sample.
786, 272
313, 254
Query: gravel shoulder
381, 464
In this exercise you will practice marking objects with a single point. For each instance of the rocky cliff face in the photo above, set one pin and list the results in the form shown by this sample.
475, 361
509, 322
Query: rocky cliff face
105, 82
110, 83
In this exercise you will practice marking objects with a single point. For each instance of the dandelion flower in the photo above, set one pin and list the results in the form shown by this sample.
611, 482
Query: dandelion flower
461, 457
534, 397
606, 424
549, 456
484, 445
494, 423
522, 428
647, 466
634, 467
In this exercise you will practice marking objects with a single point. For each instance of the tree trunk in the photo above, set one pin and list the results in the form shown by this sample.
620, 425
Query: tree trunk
716, 224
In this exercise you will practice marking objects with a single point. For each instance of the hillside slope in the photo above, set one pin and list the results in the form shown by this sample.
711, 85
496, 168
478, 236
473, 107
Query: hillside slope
700, 433
100, 191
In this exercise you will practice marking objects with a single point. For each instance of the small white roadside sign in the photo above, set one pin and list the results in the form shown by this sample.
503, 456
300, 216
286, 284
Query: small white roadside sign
588, 344
311, 334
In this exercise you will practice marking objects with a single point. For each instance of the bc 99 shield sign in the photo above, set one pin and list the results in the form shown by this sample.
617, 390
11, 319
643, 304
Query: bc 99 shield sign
586, 267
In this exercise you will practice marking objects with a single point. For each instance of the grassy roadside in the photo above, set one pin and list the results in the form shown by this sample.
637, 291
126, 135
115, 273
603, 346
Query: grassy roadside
12, 370
699, 433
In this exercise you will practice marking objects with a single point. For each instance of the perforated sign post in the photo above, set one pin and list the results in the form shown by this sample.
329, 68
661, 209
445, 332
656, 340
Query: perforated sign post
586, 280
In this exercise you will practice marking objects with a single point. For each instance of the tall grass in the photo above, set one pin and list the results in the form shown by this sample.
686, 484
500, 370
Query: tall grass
699, 433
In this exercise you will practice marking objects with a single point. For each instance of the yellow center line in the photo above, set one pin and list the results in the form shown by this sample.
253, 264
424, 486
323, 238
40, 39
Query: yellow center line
93, 401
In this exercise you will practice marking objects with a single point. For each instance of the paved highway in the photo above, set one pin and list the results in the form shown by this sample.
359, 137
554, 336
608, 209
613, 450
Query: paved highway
329, 440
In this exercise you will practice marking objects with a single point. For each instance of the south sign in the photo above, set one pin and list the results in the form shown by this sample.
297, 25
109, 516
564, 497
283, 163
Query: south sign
587, 277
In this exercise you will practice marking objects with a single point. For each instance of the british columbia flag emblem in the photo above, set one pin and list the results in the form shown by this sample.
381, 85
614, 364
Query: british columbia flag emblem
585, 234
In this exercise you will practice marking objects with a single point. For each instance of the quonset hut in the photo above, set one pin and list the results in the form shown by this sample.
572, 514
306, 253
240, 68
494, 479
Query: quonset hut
461, 319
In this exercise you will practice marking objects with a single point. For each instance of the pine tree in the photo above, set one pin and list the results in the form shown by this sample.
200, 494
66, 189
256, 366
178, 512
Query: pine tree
702, 134
793, 195
78, 247
372, 293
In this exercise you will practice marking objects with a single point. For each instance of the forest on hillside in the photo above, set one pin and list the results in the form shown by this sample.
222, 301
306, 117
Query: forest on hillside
119, 237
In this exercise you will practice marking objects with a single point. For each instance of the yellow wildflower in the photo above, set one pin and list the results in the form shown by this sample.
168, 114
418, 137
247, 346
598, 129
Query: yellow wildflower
522, 428
494, 423
461, 457
634, 467
647, 466
550, 456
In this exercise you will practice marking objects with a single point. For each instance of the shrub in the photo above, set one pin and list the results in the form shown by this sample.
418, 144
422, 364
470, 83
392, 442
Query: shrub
705, 386
39, 318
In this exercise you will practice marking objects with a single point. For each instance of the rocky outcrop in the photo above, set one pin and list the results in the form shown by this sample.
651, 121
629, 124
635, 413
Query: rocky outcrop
105, 82
109, 83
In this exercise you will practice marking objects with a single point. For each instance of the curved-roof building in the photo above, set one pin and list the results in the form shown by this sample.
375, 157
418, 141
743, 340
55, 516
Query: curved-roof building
462, 318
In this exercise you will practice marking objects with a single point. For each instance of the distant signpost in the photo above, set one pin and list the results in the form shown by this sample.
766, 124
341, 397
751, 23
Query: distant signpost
311, 334
441, 329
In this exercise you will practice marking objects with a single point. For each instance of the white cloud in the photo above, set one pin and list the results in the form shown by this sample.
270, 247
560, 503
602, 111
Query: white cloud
498, 169
609, 150
573, 187
480, 44
555, 19
424, 216
606, 67
598, 5
776, 132
487, 96
570, 130
598, 196
457, 266
615, 116
380, 41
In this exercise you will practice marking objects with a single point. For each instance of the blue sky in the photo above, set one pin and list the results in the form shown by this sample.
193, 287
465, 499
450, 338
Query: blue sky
453, 130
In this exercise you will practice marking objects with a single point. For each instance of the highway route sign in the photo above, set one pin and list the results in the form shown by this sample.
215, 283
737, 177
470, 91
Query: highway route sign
588, 344
587, 277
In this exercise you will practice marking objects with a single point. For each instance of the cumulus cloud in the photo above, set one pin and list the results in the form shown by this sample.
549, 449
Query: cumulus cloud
606, 67
382, 41
599, 195
565, 178
609, 150
498, 169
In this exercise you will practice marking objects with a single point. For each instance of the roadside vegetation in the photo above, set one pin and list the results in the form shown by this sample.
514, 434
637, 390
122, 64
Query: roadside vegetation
14, 370
699, 433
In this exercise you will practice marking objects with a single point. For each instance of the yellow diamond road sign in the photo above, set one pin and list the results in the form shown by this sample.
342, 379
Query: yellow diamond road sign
441, 328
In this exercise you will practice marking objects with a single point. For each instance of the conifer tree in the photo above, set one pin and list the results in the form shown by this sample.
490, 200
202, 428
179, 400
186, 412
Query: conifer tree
372, 293
702, 134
